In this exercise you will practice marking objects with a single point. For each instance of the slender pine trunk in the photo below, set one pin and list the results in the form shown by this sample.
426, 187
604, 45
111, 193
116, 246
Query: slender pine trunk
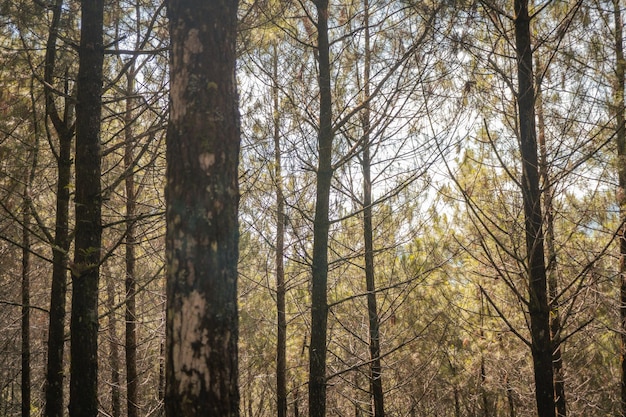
319, 278
539, 311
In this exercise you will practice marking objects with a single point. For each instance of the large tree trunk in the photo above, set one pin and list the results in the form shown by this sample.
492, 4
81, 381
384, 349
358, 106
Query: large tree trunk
86, 265
538, 308
376, 382
202, 198
319, 278
620, 139
56, 329
281, 331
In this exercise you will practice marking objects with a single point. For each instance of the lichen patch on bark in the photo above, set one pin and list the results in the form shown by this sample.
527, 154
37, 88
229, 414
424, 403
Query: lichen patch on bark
191, 350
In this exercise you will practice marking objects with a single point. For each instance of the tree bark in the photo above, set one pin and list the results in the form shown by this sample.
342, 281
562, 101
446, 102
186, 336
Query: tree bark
114, 355
56, 329
319, 277
539, 310
281, 331
86, 265
132, 382
552, 273
202, 198
620, 139
376, 383
26, 267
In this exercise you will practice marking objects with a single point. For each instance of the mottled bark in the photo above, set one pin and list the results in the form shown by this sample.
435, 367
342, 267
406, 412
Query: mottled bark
202, 198
319, 277
539, 310
86, 265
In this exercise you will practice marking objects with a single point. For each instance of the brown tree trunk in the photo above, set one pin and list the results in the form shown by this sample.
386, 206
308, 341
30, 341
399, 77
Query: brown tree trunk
319, 278
86, 265
25, 381
620, 139
281, 343
132, 382
539, 310
202, 198
56, 329
552, 273
376, 382
114, 355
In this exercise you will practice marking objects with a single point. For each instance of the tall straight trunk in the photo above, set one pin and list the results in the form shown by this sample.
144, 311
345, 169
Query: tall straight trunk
376, 382
319, 277
620, 139
281, 343
555, 317
56, 329
114, 354
539, 309
202, 198
26, 267
86, 265
132, 382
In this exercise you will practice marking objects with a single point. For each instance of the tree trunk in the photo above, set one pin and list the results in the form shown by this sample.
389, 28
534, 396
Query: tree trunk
281, 343
202, 198
620, 139
376, 382
86, 266
552, 273
56, 329
114, 355
538, 308
132, 382
319, 278
26, 392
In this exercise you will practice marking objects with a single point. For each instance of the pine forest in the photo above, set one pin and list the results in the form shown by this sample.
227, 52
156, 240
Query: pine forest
259, 208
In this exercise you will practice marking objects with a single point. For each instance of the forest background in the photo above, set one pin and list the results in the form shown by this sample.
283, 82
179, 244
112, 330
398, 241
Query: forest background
429, 294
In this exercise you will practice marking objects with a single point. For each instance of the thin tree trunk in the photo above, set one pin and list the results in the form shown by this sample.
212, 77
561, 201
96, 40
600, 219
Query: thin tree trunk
114, 355
86, 265
202, 198
538, 308
319, 278
25, 388
376, 383
620, 139
555, 318
281, 344
56, 332
132, 382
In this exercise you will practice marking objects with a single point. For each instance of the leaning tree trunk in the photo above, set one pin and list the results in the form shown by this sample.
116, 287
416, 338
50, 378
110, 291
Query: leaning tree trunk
86, 265
202, 198
538, 306
620, 139
319, 278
